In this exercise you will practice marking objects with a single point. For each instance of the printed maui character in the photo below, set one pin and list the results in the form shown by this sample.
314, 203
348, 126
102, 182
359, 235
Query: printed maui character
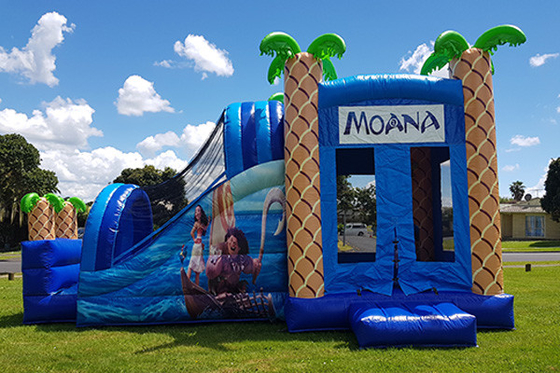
227, 294
225, 270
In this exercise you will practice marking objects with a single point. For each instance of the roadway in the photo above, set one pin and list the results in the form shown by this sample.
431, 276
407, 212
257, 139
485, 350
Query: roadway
365, 244
360, 244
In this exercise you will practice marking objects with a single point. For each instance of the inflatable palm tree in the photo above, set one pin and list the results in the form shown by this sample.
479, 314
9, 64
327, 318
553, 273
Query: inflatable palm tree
472, 65
40, 215
66, 217
302, 73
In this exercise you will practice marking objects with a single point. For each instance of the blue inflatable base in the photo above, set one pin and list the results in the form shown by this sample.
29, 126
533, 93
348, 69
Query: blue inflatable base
332, 311
398, 324
50, 270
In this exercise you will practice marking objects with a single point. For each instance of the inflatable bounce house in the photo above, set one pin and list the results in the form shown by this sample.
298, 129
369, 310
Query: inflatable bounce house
259, 237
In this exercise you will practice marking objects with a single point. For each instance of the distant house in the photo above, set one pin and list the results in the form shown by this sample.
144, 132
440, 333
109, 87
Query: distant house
527, 220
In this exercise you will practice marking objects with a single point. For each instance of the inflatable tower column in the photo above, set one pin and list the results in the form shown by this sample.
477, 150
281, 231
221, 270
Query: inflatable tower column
41, 222
301, 155
67, 218
474, 69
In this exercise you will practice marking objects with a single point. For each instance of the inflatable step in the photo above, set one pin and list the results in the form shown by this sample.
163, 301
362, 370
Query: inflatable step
412, 324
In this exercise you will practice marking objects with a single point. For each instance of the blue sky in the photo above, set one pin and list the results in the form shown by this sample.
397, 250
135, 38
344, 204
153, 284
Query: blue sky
100, 86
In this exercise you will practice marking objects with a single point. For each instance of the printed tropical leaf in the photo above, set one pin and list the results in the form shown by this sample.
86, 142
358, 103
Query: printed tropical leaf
278, 96
78, 204
29, 201
500, 35
56, 202
327, 46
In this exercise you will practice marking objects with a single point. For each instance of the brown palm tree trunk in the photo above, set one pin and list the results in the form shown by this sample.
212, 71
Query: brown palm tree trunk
422, 203
41, 221
474, 69
67, 222
301, 156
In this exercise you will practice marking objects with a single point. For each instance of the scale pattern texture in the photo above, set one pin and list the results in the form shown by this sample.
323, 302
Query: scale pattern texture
474, 69
301, 155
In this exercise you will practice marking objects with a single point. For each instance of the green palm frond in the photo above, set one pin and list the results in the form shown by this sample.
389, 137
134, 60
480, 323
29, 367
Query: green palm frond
29, 201
328, 69
284, 46
327, 46
451, 44
278, 96
78, 204
280, 43
275, 69
56, 202
500, 35
434, 62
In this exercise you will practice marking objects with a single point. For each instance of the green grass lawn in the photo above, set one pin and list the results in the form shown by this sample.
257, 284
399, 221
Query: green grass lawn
547, 245
10, 255
252, 347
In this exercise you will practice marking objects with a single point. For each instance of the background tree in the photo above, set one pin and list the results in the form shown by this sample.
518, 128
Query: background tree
19, 174
345, 195
366, 205
167, 193
517, 190
551, 200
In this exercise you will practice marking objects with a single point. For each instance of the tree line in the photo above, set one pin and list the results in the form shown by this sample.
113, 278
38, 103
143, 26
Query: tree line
20, 173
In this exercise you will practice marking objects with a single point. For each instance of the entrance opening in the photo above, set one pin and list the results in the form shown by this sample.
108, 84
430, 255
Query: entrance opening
356, 205
432, 204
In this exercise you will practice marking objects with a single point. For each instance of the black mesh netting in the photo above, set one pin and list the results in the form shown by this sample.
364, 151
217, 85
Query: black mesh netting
204, 170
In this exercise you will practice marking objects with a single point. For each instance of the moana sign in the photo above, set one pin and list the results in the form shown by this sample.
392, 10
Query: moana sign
391, 124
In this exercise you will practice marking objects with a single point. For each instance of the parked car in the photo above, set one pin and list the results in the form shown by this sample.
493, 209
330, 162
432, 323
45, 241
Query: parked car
356, 229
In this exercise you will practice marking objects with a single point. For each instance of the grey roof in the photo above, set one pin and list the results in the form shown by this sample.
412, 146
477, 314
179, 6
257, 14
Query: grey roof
523, 207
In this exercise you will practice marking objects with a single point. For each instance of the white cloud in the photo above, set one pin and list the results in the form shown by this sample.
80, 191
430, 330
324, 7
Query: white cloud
206, 56
540, 60
150, 145
414, 61
510, 168
167, 159
511, 150
524, 141
168, 64
538, 189
191, 139
138, 96
35, 61
64, 123
85, 174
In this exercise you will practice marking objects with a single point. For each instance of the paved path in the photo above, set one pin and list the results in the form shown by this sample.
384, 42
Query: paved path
10, 266
531, 257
